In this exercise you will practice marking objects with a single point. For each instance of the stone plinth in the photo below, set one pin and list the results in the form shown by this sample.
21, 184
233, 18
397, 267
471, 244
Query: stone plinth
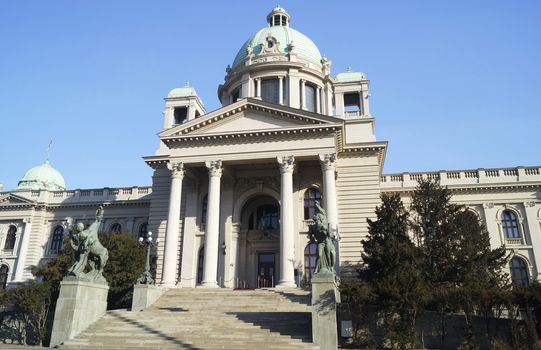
145, 295
79, 305
324, 298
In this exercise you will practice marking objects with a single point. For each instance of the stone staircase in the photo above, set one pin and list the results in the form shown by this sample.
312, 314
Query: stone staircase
185, 318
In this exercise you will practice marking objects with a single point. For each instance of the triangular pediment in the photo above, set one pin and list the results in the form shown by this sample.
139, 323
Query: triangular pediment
249, 115
10, 199
249, 120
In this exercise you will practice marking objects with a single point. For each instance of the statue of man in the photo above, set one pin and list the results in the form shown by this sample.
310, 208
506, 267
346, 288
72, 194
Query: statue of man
88, 250
320, 230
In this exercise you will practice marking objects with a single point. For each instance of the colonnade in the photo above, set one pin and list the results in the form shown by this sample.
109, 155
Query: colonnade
212, 229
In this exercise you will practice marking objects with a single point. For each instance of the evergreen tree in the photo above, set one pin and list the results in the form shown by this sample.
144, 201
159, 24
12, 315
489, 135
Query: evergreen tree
391, 268
460, 266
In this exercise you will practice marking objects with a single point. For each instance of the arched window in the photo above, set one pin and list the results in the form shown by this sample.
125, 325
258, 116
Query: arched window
143, 230
116, 228
310, 261
519, 271
311, 197
4, 271
510, 224
204, 208
200, 259
267, 217
57, 241
11, 238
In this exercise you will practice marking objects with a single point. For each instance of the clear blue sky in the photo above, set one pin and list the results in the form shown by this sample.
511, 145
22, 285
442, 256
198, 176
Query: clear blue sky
454, 84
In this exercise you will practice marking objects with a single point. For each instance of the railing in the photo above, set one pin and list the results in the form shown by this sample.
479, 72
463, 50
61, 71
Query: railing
92, 195
354, 113
513, 241
464, 177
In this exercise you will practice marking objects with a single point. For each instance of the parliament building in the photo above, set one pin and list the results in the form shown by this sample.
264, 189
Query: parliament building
234, 189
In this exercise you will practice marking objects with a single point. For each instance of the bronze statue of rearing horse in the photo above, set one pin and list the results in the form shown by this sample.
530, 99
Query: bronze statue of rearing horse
88, 251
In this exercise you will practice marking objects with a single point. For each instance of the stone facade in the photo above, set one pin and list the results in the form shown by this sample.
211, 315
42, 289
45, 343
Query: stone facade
233, 189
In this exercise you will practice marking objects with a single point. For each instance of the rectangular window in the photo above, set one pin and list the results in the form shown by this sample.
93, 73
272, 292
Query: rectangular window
352, 104
270, 90
235, 95
181, 115
310, 95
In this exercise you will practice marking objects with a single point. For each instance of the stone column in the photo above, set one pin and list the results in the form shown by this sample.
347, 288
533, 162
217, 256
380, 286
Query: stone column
287, 224
169, 271
23, 249
328, 166
365, 101
258, 92
318, 100
281, 90
210, 265
303, 94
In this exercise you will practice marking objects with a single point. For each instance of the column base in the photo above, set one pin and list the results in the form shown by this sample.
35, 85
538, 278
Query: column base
169, 285
286, 285
211, 284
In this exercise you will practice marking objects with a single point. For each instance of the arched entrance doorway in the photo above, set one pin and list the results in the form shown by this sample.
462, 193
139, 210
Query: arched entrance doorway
259, 243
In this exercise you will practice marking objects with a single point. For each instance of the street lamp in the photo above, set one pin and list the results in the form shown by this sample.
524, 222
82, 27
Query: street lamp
146, 277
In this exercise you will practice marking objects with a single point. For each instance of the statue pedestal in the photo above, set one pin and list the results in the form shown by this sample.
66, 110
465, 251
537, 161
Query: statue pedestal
325, 295
79, 305
145, 295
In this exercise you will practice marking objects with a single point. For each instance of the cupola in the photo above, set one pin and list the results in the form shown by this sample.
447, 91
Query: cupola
181, 105
42, 177
351, 94
280, 65
278, 17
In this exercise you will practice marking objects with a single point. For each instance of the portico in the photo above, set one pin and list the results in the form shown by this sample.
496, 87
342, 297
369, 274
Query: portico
258, 240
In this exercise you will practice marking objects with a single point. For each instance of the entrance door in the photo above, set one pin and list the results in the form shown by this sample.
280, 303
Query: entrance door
265, 270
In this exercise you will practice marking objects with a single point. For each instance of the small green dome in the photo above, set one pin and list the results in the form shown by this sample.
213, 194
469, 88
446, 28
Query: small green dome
285, 35
349, 75
42, 177
185, 91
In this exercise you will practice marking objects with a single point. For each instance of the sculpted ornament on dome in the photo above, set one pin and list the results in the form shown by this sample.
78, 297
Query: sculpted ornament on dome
271, 45
291, 46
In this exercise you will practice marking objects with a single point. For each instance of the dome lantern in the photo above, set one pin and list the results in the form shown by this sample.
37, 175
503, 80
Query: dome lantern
278, 17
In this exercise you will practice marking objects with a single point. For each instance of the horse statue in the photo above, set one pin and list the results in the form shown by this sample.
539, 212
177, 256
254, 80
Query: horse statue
88, 251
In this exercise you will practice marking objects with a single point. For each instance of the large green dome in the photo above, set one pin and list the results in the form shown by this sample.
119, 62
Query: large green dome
284, 35
42, 177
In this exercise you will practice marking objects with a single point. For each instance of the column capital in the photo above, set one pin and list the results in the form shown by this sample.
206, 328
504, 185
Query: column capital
215, 168
287, 164
328, 161
303, 81
27, 220
176, 168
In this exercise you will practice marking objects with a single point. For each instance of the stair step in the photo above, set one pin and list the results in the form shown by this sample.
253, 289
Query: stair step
207, 319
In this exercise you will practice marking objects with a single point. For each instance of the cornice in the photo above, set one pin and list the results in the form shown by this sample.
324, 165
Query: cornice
379, 148
137, 202
480, 188
250, 134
